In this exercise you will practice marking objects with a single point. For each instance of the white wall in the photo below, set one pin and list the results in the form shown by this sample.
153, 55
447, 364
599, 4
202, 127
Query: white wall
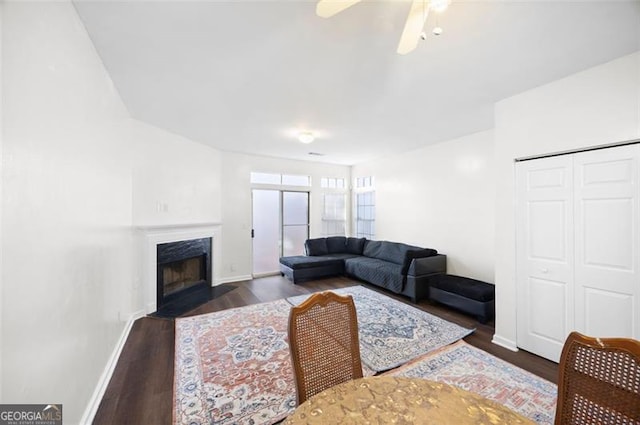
75, 179
175, 180
236, 203
66, 209
440, 196
595, 107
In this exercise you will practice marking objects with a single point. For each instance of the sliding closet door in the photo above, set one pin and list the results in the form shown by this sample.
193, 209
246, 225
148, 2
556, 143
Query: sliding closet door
607, 259
544, 254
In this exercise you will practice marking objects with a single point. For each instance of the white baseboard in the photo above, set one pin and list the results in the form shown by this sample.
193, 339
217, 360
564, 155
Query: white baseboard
232, 279
101, 387
504, 342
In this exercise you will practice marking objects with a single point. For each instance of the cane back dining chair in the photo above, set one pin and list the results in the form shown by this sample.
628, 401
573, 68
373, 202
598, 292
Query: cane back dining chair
323, 339
599, 381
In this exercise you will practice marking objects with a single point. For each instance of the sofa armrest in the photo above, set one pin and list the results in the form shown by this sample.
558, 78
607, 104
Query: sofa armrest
428, 265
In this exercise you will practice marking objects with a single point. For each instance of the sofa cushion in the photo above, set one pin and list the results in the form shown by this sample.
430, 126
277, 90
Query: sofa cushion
337, 244
389, 251
379, 272
416, 253
355, 245
297, 262
372, 249
342, 256
317, 246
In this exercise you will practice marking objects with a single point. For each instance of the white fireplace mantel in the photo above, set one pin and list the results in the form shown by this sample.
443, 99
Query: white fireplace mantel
151, 236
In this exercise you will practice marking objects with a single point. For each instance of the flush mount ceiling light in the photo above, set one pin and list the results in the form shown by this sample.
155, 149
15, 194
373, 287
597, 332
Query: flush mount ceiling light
306, 137
413, 28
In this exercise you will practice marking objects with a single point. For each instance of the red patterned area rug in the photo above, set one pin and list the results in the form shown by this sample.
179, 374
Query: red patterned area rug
391, 332
234, 367
475, 370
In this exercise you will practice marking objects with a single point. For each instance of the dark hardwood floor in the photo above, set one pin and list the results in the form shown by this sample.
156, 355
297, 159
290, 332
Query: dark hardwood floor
141, 388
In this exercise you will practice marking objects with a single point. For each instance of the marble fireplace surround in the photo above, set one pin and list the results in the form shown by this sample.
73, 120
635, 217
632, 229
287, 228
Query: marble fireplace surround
151, 236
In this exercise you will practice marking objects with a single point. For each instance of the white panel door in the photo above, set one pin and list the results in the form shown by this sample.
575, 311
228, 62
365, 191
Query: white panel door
607, 279
545, 254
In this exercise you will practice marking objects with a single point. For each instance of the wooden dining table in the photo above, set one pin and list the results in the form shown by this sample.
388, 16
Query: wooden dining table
397, 400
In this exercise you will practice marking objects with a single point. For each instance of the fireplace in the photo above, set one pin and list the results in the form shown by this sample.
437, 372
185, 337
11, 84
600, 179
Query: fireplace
183, 267
155, 238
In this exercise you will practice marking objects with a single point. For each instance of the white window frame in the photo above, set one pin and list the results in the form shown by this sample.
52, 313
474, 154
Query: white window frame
277, 179
330, 222
364, 216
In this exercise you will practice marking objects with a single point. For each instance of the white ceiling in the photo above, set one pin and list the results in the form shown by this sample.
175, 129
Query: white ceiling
241, 75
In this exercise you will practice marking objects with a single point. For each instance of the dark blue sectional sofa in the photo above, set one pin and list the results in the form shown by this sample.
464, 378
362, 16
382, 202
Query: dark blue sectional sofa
401, 268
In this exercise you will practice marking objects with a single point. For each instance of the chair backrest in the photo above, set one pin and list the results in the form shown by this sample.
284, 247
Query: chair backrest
323, 338
599, 381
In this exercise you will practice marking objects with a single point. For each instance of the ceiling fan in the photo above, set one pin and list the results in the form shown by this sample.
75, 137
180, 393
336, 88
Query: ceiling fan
412, 28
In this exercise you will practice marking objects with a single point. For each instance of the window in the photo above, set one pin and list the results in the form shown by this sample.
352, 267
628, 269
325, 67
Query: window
365, 215
334, 216
332, 183
280, 179
365, 208
364, 182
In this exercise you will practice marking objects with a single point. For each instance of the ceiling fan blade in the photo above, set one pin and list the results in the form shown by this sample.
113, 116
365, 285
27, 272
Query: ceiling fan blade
414, 25
328, 8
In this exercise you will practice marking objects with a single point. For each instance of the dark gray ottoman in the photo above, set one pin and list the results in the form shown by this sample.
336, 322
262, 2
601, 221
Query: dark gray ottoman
467, 295
300, 267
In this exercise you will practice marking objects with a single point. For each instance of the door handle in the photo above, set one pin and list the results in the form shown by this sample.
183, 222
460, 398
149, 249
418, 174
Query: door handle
253, 233
545, 271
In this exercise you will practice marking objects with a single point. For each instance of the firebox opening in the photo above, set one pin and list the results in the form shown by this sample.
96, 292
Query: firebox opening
184, 274
182, 268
